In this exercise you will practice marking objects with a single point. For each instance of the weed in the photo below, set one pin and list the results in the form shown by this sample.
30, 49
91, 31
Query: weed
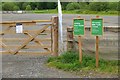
69, 61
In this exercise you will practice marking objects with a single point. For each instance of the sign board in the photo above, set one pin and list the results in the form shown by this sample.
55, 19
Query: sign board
19, 28
78, 26
97, 27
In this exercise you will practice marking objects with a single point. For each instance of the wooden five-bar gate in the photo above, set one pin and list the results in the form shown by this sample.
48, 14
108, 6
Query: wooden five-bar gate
38, 37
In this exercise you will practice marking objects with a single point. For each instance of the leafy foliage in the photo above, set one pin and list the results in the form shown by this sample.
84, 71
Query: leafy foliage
99, 6
0, 6
82, 6
72, 6
8, 6
28, 8
24, 5
16, 8
113, 6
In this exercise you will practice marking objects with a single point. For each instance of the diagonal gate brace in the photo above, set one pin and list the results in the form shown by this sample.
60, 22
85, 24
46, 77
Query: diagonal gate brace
30, 38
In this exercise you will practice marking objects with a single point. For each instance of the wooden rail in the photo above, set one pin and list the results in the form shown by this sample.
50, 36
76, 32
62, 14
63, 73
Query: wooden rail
33, 21
29, 46
24, 23
25, 31
23, 39
26, 53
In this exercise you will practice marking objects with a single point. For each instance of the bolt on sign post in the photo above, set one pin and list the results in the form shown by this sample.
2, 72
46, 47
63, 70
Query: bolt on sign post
97, 30
79, 30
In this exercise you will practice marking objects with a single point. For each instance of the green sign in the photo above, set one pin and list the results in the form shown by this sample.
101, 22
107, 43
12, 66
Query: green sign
78, 26
97, 27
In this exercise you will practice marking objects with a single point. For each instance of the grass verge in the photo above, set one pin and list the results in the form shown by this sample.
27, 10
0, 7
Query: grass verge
69, 61
54, 11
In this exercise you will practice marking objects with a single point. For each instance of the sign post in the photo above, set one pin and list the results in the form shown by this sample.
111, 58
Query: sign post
80, 49
79, 30
97, 30
97, 51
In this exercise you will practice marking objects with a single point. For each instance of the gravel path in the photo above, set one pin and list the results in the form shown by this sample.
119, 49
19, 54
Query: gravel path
29, 66
33, 66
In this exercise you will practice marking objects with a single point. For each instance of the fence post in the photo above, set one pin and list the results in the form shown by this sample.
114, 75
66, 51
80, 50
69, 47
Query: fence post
70, 39
55, 35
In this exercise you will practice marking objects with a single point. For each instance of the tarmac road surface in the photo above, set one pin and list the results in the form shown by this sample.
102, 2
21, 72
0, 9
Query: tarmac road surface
67, 18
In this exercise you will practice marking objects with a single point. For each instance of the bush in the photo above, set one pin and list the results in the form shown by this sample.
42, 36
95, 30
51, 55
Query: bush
118, 7
113, 6
98, 6
64, 4
72, 6
8, 6
83, 5
16, 8
28, 8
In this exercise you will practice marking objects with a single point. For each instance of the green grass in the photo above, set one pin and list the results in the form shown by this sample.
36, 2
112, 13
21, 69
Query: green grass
54, 11
69, 61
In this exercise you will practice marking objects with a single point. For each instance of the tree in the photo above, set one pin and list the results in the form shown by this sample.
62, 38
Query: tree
39, 6
24, 5
118, 7
84, 5
16, 8
98, 6
0, 7
8, 6
33, 5
20, 5
28, 8
64, 4
46, 5
51, 5
73, 6
113, 6
42, 5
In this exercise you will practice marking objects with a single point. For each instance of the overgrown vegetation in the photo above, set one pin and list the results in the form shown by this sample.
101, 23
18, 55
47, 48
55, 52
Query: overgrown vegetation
53, 11
69, 61
101, 8
91, 6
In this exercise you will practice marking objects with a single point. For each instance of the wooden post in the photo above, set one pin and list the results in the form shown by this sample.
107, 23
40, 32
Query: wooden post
55, 35
70, 44
80, 49
97, 51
